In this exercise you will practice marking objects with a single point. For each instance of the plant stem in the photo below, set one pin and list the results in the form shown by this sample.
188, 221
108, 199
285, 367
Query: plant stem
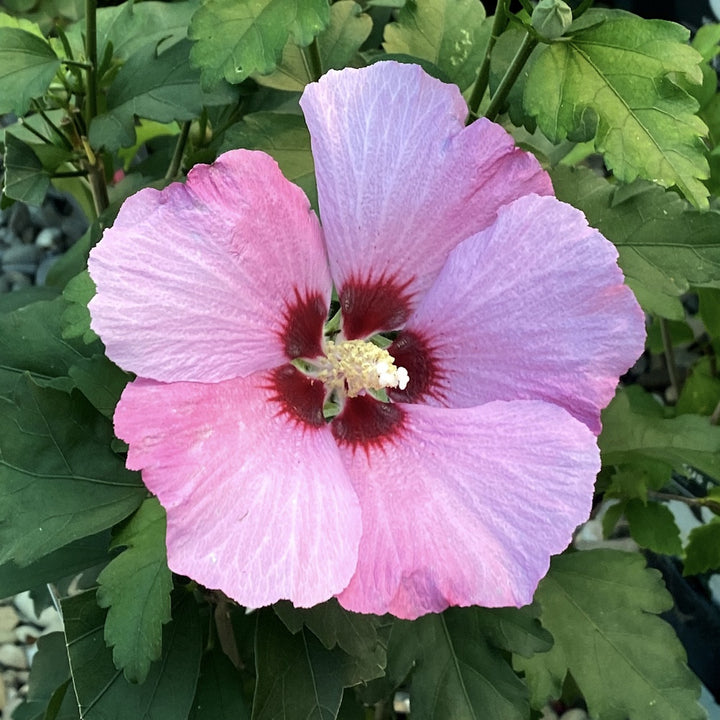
77, 63
691, 501
70, 173
35, 132
59, 133
582, 8
669, 358
481, 83
518, 62
91, 53
177, 157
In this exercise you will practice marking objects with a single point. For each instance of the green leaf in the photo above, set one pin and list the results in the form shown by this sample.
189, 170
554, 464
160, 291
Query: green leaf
60, 480
706, 41
100, 381
156, 87
237, 38
665, 246
600, 607
25, 177
31, 342
27, 66
630, 436
49, 674
219, 692
355, 633
285, 137
136, 586
338, 44
703, 549
130, 26
652, 526
101, 690
68, 560
298, 672
76, 318
459, 673
452, 34
700, 393
613, 79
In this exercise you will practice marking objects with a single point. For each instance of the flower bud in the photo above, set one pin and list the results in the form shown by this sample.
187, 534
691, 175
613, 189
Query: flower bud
551, 18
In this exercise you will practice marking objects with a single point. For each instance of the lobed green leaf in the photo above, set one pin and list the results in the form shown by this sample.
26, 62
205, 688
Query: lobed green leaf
601, 607
101, 690
338, 44
452, 34
237, 38
664, 245
27, 66
703, 549
136, 587
160, 87
612, 79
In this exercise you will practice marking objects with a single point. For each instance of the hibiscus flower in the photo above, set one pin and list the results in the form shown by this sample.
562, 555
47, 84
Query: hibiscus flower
432, 445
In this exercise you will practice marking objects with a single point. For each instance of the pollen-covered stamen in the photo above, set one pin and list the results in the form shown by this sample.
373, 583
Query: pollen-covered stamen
351, 366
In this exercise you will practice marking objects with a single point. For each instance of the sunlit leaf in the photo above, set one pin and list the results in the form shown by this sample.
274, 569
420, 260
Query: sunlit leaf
452, 34
237, 38
612, 80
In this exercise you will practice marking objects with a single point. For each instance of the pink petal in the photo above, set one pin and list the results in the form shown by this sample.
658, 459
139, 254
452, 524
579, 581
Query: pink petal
466, 506
258, 503
532, 307
205, 281
401, 180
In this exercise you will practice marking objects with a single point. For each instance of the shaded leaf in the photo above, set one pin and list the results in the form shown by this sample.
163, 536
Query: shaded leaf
219, 693
101, 690
25, 177
612, 79
286, 138
56, 565
60, 479
298, 672
459, 673
665, 246
600, 607
652, 526
31, 342
136, 586
156, 87
631, 436
338, 44
100, 381
703, 549
333, 625
237, 38
700, 393
452, 34
49, 683
27, 67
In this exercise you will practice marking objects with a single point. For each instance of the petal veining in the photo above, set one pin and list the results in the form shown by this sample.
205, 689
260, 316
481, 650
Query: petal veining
466, 506
533, 307
258, 505
205, 281
401, 180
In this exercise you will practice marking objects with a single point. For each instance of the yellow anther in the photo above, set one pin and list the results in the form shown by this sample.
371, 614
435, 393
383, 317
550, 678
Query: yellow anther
352, 366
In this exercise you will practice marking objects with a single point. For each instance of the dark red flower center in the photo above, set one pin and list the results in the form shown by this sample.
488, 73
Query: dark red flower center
367, 307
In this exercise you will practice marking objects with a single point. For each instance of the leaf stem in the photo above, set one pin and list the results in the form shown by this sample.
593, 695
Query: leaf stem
713, 505
177, 157
77, 63
36, 133
511, 75
60, 134
500, 21
669, 358
70, 174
